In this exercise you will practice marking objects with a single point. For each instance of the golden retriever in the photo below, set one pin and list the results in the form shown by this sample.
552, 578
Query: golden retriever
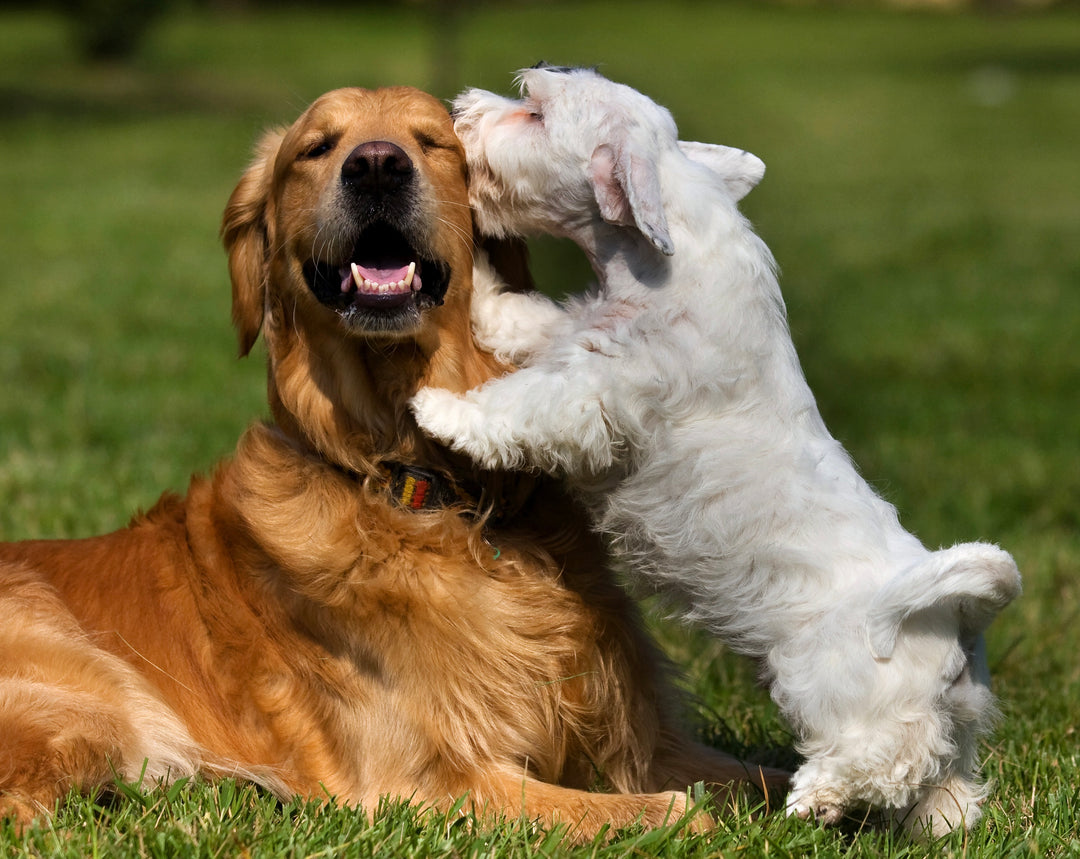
303, 618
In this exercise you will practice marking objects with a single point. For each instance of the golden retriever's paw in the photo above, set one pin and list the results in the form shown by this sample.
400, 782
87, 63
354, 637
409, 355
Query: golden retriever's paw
21, 809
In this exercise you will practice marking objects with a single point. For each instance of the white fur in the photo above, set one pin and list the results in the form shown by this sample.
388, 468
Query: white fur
675, 402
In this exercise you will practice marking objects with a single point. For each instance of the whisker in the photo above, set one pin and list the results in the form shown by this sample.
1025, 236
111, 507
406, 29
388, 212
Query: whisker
454, 203
455, 228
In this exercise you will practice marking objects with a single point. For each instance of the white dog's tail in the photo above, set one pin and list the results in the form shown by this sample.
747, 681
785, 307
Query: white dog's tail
976, 580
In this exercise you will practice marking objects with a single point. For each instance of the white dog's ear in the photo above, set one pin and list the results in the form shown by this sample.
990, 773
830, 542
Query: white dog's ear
973, 580
627, 189
740, 170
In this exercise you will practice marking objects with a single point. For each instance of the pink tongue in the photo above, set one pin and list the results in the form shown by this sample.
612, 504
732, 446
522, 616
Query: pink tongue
384, 275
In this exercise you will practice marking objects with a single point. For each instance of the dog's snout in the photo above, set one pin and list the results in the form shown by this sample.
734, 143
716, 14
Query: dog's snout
377, 166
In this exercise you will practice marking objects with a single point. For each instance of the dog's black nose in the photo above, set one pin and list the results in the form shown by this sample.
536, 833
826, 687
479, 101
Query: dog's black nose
377, 166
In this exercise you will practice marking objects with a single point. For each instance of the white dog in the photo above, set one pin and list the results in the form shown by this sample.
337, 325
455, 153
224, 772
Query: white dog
676, 404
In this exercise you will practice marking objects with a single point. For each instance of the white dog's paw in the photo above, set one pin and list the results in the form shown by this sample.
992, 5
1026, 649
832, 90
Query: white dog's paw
466, 427
439, 413
817, 811
815, 802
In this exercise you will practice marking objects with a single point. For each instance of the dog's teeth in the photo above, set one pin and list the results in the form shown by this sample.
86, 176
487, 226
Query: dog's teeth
370, 286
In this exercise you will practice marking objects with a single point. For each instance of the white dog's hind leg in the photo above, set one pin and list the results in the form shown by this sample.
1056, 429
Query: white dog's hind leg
951, 805
514, 326
976, 580
533, 417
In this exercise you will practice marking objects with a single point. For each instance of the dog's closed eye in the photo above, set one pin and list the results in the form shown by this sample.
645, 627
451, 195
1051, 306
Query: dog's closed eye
530, 112
429, 139
323, 146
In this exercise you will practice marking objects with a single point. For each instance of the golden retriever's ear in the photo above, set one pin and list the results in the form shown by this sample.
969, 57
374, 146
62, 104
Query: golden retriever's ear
244, 231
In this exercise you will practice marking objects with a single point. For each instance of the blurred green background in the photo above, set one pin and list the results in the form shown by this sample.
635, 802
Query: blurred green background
922, 198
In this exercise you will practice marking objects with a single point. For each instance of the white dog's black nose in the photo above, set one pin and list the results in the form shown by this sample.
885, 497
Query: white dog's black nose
377, 166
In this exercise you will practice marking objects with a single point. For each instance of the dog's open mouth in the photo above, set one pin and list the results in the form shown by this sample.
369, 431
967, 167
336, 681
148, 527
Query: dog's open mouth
384, 280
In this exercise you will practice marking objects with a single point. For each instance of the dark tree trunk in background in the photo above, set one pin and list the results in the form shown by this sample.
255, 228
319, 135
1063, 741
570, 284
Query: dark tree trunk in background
111, 30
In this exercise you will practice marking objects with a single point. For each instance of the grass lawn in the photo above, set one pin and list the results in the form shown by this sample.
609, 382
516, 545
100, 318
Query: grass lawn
923, 199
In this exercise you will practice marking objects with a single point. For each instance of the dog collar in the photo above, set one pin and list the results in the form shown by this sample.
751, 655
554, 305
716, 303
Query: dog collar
422, 489
416, 488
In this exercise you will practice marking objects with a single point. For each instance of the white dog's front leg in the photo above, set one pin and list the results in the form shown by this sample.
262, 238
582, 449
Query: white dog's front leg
530, 418
514, 326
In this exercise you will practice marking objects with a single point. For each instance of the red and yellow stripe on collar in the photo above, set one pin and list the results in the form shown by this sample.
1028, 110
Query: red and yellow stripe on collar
413, 490
416, 488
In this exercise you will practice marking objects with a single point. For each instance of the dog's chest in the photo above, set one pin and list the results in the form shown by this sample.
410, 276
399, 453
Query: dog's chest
510, 651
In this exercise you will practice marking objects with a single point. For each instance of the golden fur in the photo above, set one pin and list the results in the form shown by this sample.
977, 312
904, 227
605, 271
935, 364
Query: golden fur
286, 621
